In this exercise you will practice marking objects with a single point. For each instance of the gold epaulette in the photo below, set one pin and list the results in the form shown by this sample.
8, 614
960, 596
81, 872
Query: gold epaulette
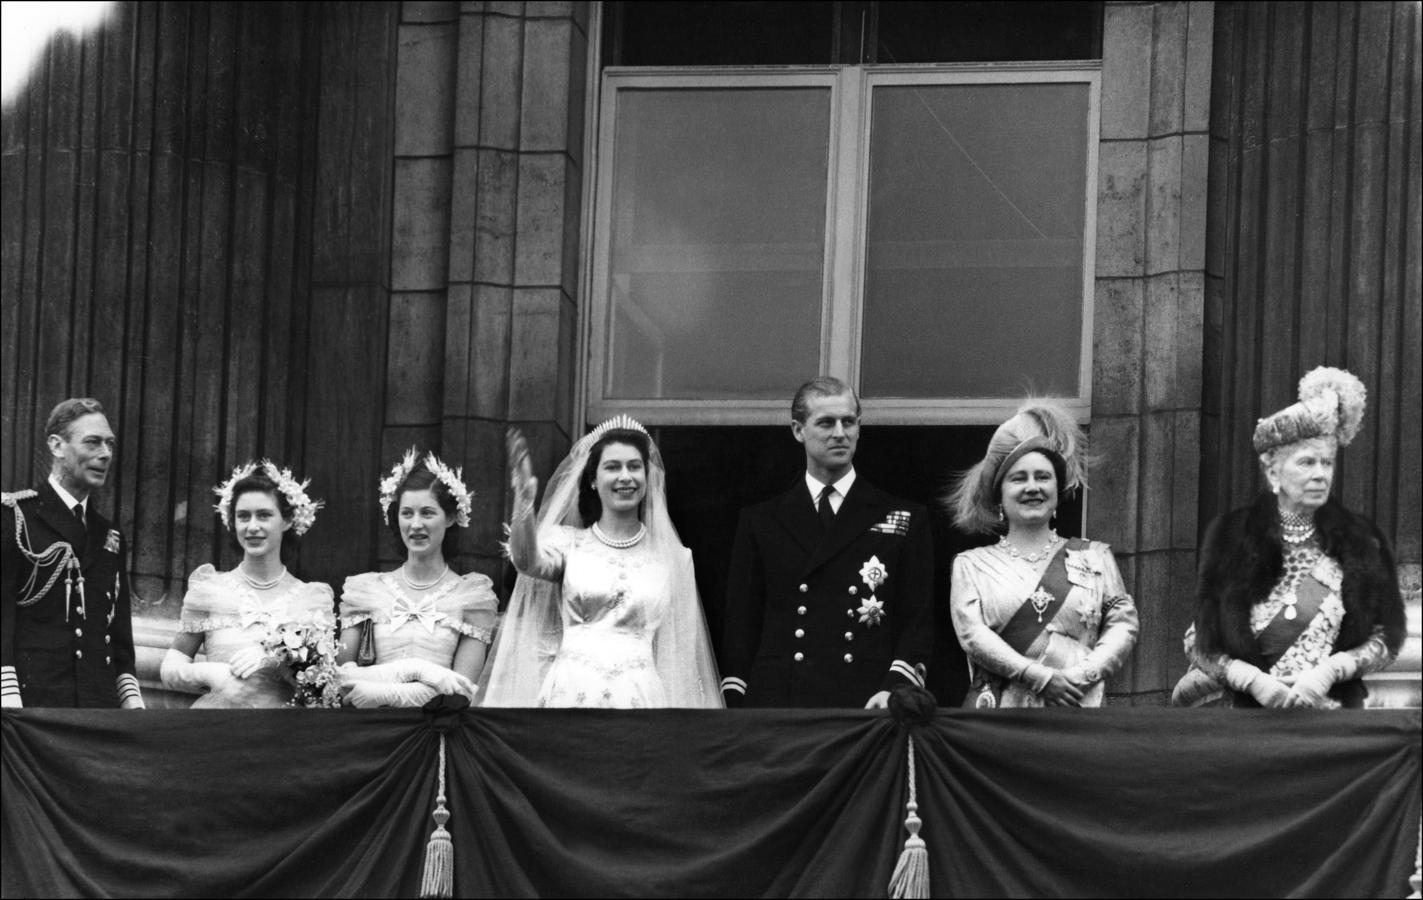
8, 498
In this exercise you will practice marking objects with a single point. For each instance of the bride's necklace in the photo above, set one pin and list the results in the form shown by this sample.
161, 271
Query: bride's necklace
1033, 558
1296, 529
262, 585
619, 544
417, 586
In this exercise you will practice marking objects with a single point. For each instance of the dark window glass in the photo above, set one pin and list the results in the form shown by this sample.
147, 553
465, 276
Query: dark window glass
720, 33
713, 472
725, 33
918, 32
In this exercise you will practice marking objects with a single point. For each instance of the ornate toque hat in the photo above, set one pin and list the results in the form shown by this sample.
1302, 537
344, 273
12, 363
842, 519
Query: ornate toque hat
1043, 425
1331, 404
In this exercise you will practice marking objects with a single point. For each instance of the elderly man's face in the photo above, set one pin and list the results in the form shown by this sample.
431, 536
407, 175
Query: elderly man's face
83, 454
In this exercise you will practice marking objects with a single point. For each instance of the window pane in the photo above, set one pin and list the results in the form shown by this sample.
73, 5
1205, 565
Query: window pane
718, 242
912, 31
718, 33
973, 275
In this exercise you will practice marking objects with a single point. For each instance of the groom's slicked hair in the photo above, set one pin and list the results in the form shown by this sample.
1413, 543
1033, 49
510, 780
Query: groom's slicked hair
822, 386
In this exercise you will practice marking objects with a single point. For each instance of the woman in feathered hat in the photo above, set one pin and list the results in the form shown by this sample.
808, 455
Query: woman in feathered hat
1297, 598
1043, 619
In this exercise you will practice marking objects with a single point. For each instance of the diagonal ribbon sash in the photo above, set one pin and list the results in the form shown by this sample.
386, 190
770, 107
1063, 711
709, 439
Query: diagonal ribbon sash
1282, 632
1028, 622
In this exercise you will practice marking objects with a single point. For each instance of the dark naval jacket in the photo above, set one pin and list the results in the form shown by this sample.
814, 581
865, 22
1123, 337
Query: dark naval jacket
809, 620
60, 645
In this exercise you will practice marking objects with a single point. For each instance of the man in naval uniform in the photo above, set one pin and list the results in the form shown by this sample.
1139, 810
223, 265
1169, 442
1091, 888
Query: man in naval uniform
66, 638
830, 590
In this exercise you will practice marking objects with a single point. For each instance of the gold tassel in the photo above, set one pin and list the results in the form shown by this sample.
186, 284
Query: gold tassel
911, 873
439, 876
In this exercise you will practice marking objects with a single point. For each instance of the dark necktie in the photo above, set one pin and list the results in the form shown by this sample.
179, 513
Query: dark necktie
83, 528
827, 512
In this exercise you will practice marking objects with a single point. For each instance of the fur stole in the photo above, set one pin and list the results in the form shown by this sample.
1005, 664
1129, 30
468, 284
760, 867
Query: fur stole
1242, 558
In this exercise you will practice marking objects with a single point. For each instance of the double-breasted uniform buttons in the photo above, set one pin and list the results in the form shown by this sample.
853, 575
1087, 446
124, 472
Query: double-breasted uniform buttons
849, 635
799, 656
804, 588
78, 654
800, 611
79, 632
849, 657
800, 632
854, 590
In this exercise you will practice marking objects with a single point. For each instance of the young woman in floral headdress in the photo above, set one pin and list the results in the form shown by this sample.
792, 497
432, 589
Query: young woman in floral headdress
229, 614
430, 626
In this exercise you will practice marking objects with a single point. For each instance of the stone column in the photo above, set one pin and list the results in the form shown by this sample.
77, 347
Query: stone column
512, 314
1146, 401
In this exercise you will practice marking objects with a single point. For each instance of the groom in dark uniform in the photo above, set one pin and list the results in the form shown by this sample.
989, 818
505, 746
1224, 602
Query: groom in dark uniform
829, 595
66, 638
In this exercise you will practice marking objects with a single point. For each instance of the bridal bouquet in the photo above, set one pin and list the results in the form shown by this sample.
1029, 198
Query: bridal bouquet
307, 657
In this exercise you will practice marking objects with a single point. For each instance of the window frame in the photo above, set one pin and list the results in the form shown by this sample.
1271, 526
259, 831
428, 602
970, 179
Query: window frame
846, 221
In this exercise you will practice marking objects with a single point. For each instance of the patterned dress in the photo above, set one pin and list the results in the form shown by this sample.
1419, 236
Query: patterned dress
231, 616
613, 603
1308, 570
1094, 629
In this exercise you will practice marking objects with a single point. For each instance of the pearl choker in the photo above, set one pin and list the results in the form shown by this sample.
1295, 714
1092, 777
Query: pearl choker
1296, 529
619, 544
416, 586
262, 585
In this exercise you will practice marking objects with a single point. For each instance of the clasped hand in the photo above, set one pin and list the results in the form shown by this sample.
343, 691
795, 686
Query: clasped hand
249, 660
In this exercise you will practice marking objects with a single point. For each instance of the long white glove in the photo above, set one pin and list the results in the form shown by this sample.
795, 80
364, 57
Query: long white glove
443, 680
373, 694
179, 672
1268, 690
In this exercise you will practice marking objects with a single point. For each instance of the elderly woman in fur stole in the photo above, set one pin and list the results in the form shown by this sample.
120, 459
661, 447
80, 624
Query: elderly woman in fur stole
1297, 598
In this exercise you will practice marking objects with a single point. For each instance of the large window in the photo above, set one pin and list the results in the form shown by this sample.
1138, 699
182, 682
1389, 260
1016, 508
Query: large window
924, 232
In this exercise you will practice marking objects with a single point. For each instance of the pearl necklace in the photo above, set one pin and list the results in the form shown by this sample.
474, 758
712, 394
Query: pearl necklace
262, 585
619, 544
416, 586
1296, 529
1033, 558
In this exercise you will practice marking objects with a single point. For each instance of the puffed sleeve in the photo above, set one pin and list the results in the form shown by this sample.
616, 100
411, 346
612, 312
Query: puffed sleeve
475, 607
205, 602
362, 597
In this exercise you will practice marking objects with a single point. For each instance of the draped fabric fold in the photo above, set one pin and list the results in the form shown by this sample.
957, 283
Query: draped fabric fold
1115, 802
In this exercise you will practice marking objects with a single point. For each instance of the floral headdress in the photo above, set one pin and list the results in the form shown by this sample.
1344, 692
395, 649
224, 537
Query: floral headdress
392, 482
451, 478
1331, 404
302, 506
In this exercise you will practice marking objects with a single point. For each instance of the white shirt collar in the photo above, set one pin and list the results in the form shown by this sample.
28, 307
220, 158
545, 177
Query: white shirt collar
842, 487
67, 497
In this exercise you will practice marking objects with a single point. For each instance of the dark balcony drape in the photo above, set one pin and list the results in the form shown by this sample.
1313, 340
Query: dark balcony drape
1113, 802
